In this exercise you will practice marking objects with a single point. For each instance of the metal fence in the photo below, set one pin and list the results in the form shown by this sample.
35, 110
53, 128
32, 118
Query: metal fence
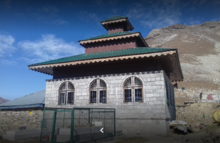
77, 125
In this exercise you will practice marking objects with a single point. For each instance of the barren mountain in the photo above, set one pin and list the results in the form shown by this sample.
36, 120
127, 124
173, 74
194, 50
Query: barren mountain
2, 100
199, 52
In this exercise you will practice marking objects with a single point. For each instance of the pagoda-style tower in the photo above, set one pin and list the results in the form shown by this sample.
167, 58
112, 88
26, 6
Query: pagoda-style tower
118, 37
120, 71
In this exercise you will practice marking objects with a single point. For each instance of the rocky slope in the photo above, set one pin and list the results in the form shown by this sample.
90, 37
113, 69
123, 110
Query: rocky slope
199, 53
2, 100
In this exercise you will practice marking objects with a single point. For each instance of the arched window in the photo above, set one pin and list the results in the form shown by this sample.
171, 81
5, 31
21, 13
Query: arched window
98, 91
66, 93
133, 90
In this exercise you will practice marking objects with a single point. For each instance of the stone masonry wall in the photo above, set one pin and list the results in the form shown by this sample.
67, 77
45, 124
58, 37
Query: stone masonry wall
12, 120
146, 117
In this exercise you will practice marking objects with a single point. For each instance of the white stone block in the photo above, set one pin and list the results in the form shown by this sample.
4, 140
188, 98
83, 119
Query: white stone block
81, 97
150, 103
157, 78
152, 99
157, 102
149, 95
160, 91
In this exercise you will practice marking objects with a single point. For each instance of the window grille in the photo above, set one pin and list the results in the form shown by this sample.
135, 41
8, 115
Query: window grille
128, 82
62, 98
102, 96
70, 97
128, 96
98, 91
138, 95
94, 84
138, 82
92, 96
133, 90
70, 86
66, 93
63, 87
102, 84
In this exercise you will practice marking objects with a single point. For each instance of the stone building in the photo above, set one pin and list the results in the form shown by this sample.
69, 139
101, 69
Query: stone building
118, 70
25, 111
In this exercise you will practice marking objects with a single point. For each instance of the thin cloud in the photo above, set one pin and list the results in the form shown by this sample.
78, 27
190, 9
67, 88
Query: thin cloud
155, 17
6, 45
60, 22
194, 21
86, 16
50, 15
47, 48
8, 62
49, 9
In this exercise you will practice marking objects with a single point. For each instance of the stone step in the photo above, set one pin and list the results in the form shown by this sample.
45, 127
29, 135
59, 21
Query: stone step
66, 131
24, 135
62, 138
80, 137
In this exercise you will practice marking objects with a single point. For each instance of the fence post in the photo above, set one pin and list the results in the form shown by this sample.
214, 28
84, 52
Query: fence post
72, 126
104, 122
54, 123
90, 127
89, 117
63, 117
114, 124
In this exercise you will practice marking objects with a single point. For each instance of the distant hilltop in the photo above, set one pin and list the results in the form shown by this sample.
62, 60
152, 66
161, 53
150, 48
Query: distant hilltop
2, 100
199, 51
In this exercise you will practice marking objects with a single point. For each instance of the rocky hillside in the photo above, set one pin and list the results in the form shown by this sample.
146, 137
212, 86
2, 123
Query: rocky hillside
199, 52
2, 100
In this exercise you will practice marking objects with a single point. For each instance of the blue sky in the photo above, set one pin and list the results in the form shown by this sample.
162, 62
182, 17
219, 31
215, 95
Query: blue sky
40, 30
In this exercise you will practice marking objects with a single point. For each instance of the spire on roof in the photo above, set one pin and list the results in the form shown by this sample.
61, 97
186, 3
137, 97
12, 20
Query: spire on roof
117, 24
115, 18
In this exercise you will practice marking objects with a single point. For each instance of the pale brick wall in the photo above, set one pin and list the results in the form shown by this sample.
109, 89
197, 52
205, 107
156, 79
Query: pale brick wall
152, 110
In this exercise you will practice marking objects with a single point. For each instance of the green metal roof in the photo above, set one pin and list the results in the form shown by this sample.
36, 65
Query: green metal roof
115, 18
110, 35
116, 53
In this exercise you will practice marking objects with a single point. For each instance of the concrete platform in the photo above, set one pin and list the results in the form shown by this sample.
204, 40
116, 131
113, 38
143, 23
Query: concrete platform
80, 134
24, 135
80, 137
66, 131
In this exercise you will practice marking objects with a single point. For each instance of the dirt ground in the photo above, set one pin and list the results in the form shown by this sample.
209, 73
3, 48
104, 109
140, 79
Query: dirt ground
210, 134
7, 141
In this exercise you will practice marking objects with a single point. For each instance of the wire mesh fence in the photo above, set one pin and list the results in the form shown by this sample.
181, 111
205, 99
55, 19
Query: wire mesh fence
77, 125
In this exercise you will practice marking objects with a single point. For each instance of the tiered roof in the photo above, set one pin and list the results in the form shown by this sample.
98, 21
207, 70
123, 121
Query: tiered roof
117, 19
113, 36
102, 55
129, 53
